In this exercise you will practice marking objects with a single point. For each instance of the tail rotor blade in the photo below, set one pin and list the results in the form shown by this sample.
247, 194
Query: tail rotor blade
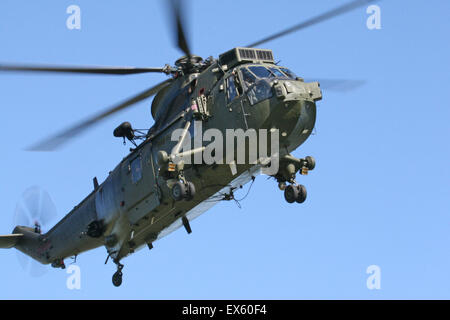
22, 216
35, 206
47, 210
37, 269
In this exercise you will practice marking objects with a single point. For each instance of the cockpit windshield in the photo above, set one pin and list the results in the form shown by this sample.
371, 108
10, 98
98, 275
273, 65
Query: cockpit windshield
289, 73
257, 80
277, 73
260, 71
263, 72
256, 83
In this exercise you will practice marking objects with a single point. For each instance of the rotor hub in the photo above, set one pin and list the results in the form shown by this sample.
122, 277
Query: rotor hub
190, 64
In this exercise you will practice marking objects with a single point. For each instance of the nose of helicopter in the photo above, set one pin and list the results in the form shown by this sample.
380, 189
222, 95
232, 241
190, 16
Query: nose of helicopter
295, 112
298, 125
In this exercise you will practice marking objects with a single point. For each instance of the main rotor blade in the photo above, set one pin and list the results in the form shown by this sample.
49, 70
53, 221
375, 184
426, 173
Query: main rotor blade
80, 69
320, 18
181, 39
57, 140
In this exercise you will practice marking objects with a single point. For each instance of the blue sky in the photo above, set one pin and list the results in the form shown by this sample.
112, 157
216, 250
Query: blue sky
379, 194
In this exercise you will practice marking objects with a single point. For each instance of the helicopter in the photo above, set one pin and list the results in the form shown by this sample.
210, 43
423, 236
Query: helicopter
157, 188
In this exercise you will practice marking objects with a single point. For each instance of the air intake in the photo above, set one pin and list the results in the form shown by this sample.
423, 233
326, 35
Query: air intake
242, 55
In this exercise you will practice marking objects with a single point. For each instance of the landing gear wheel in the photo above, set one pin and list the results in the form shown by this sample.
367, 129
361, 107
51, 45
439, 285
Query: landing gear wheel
310, 162
181, 190
178, 191
301, 193
117, 278
190, 192
290, 193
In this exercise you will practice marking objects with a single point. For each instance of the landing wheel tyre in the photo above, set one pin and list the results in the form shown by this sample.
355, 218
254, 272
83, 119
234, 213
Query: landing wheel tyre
290, 193
310, 163
301, 196
117, 279
190, 191
178, 191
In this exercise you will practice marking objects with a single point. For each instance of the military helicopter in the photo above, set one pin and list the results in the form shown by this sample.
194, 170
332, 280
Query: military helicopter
152, 192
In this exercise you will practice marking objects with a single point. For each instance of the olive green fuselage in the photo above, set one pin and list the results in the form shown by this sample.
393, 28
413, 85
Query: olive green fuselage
134, 204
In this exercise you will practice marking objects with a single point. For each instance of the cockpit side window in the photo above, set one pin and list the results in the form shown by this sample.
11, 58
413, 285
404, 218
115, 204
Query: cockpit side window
289, 73
231, 89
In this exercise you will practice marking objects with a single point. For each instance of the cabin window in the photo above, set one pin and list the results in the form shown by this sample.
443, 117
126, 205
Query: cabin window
136, 170
231, 89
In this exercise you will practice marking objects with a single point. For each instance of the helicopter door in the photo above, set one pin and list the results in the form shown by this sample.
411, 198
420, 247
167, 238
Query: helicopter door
139, 185
235, 100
